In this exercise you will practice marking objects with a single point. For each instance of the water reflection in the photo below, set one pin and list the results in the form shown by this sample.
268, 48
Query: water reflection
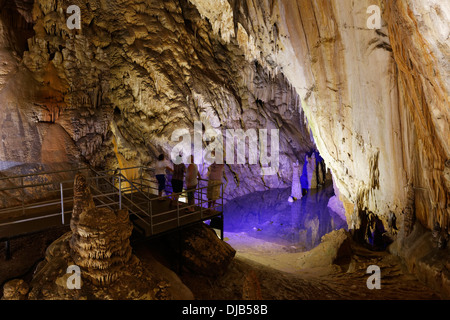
267, 215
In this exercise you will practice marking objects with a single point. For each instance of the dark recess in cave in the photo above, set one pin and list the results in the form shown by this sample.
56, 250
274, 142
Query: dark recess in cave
20, 29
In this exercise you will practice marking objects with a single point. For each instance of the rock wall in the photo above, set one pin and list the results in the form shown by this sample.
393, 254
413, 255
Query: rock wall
135, 72
376, 99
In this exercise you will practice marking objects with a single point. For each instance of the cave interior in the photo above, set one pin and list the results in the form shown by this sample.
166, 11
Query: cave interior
331, 120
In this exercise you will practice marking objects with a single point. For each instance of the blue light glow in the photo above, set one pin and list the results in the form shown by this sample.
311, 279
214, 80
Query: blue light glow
267, 215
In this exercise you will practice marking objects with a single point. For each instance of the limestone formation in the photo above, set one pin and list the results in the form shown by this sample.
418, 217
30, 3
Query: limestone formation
392, 100
314, 172
99, 246
409, 218
296, 189
440, 236
100, 237
372, 101
335, 248
16, 289
337, 207
136, 85
82, 199
298, 66
203, 252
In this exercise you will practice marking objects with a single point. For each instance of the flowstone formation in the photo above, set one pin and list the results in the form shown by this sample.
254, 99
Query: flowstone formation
99, 246
376, 100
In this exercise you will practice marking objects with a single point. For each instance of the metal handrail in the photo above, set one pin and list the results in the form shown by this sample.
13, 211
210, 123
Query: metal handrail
131, 205
45, 203
131, 184
113, 193
29, 219
44, 173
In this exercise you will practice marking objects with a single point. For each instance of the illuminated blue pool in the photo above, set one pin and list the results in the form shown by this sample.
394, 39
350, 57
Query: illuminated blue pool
267, 215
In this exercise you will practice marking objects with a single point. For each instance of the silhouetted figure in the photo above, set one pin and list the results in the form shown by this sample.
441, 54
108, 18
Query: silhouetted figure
215, 172
160, 171
177, 179
192, 177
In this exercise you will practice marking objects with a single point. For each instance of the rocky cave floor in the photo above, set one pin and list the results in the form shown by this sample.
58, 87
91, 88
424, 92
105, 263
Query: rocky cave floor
260, 270
280, 277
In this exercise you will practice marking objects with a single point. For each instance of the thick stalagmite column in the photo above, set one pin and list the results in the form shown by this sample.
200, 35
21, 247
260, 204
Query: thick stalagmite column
100, 240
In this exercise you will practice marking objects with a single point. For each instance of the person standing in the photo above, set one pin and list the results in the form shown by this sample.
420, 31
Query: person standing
160, 171
178, 179
192, 177
216, 172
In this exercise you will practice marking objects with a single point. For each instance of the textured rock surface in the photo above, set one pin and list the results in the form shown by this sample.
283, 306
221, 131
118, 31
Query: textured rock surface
296, 189
202, 252
99, 245
16, 289
134, 73
100, 238
429, 263
375, 101
334, 249
314, 174
135, 282
370, 96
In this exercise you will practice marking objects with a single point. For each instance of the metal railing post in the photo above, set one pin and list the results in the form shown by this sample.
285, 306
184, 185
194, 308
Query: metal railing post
151, 216
178, 213
223, 222
7, 250
23, 195
200, 201
120, 191
62, 202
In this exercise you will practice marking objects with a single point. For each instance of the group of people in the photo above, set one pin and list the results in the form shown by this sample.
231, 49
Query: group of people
192, 175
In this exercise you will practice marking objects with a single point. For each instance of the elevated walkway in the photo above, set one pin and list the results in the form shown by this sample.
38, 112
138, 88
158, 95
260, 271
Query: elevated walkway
41, 201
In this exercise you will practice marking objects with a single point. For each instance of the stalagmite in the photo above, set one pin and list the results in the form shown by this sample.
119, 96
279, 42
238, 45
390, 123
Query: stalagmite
296, 189
99, 246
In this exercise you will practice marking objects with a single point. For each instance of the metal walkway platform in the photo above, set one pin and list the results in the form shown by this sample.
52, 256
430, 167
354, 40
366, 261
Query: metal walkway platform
41, 201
